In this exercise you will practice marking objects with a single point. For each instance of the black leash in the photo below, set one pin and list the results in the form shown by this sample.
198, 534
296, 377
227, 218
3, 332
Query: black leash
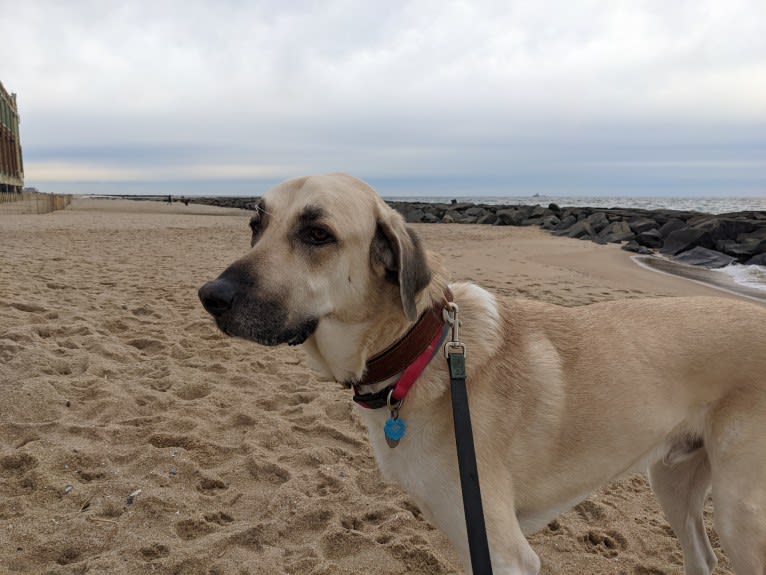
478, 545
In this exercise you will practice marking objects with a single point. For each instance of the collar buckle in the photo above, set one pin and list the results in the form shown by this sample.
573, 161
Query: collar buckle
374, 400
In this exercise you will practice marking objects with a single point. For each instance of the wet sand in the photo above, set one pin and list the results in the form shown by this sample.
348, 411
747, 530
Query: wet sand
702, 276
135, 438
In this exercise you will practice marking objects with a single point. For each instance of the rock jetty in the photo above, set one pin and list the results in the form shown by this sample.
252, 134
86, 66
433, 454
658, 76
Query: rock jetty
709, 240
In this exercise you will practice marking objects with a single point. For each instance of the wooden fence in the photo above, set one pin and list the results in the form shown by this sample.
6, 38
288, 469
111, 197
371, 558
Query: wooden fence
32, 202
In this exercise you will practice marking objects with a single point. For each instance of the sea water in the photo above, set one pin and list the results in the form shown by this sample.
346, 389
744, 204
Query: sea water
750, 276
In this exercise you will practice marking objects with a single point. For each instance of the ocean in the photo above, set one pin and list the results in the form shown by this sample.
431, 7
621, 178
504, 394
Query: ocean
750, 277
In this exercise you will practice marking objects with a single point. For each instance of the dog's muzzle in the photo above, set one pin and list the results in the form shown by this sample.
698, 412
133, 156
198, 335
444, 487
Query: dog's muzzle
263, 320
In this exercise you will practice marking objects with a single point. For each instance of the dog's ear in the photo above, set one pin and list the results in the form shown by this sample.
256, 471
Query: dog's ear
398, 249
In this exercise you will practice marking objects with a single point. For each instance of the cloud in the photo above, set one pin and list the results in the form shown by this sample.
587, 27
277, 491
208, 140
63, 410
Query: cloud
83, 172
386, 90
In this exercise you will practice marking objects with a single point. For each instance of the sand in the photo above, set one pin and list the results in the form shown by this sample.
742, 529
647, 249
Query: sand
135, 438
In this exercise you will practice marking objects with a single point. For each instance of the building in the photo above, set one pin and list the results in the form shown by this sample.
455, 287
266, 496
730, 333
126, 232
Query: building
11, 165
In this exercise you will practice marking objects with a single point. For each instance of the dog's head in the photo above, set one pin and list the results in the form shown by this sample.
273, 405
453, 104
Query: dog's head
322, 247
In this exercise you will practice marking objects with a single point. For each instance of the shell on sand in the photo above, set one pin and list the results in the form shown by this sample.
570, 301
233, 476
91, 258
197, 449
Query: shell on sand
135, 438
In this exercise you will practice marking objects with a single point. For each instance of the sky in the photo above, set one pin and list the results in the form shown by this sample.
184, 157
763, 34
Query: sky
594, 97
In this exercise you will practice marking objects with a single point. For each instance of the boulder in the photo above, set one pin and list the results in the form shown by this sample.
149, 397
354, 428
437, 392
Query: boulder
580, 229
634, 246
746, 215
554, 207
628, 214
661, 217
685, 239
759, 260
414, 216
510, 217
650, 238
448, 218
567, 221
488, 218
726, 246
430, 218
598, 221
760, 234
745, 249
670, 226
476, 211
461, 206
719, 228
641, 225
616, 232
704, 257
581, 213
754, 246
550, 222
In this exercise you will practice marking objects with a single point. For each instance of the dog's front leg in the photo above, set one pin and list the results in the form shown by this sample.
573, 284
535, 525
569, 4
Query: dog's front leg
509, 550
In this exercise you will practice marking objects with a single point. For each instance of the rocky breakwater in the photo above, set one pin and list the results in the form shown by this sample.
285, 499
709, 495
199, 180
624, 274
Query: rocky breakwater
243, 203
708, 240
695, 238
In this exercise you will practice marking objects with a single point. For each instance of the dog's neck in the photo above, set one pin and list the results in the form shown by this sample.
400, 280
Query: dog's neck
340, 351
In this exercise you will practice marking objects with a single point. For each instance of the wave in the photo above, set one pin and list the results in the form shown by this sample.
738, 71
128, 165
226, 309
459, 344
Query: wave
749, 276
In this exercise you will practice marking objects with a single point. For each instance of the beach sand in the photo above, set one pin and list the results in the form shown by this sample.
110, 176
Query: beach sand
135, 438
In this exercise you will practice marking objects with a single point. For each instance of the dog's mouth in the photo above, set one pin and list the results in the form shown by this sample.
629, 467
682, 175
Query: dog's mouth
263, 335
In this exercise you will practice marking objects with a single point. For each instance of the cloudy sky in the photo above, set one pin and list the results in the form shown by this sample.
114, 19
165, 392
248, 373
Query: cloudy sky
594, 97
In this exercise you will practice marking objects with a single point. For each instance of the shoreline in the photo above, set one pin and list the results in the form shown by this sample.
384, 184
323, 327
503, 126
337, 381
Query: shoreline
699, 275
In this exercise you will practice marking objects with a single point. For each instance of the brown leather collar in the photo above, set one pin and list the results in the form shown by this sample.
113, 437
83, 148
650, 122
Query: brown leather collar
395, 358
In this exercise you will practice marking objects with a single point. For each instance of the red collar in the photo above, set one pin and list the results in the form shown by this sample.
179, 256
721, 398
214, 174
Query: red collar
409, 357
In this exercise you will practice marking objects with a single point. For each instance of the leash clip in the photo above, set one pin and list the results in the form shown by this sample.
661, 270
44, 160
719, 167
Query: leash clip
393, 404
394, 428
450, 314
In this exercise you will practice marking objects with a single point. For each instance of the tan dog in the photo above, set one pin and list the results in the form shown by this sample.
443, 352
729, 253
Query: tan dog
562, 400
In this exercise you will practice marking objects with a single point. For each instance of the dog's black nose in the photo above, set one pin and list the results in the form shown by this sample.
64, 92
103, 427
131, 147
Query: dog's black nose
217, 296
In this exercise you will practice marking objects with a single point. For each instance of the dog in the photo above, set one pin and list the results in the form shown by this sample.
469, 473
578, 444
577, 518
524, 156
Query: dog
562, 400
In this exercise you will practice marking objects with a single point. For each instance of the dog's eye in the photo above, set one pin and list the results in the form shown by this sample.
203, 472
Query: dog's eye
317, 236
